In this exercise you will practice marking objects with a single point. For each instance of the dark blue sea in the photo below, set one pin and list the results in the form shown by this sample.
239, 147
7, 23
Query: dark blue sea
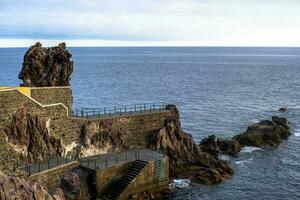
218, 91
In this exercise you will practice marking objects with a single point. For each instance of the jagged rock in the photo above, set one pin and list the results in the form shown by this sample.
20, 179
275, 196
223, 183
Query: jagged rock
73, 188
30, 136
45, 67
265, 133
283, 109
98, 138
12, 188
231, 147
187, 160
210, 145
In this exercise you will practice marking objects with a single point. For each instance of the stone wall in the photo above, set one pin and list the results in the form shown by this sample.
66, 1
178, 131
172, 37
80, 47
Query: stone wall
52, 95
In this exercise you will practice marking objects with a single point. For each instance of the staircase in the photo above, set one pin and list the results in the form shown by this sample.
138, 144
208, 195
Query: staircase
118, 188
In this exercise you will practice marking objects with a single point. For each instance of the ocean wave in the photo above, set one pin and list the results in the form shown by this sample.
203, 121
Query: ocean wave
180, 183
297, 133
224, 157
241, 162
250, 149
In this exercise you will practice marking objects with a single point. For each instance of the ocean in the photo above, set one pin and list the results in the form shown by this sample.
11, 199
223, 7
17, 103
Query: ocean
218, 90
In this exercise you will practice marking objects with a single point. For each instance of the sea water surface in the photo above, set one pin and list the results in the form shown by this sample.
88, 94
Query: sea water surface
219, 90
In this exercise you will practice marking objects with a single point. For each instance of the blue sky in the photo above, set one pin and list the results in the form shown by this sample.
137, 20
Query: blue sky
150, 22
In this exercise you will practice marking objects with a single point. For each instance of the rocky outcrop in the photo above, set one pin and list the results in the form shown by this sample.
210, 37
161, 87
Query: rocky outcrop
99, 138
30, 136
187, 160
231, 147
265, 133
12, 188
210, 145
45, 67
73, 188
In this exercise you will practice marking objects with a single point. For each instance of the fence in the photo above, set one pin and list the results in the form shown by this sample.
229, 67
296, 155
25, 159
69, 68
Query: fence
105, 161
46, 165
119, 111
101, 161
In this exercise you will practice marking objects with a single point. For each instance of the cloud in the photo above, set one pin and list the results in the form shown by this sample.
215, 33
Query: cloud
227, 22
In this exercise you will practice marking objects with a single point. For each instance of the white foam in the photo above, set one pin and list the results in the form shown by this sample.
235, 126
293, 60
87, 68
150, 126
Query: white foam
224, 157
297, 133
180, 183
242, 162
250, 149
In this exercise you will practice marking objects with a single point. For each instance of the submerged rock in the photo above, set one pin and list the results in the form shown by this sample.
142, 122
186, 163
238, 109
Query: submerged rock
187, 160
265, 133
12, 188
30, 136
45, 67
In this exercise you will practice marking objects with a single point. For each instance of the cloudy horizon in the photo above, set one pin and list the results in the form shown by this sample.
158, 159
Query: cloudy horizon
150, 23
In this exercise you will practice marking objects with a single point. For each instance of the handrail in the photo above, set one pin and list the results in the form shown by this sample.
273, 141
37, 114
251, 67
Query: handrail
118, 111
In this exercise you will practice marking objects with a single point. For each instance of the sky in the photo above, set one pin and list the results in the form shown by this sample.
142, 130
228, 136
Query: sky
150, 22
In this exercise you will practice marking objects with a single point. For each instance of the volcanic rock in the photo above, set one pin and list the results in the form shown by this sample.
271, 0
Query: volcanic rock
100, 138
12, 188
45, 67
187, 160
73, 188
210, 145
265, 133
30, 136
231, 147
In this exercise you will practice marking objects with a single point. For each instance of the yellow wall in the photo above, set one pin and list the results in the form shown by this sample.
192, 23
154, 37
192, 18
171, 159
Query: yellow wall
25, 90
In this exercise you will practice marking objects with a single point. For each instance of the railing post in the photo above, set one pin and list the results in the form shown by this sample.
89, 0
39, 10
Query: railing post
48, 163
95, 164
66, 159
29, 170
105, 162
39, 166
56, 160
126, 160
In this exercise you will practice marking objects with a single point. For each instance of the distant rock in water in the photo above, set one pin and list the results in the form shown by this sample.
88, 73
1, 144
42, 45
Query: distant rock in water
283, 109
46, 67
265, 133
231, 147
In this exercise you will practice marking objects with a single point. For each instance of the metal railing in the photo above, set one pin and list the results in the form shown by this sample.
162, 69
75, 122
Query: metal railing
47, 164
118, 111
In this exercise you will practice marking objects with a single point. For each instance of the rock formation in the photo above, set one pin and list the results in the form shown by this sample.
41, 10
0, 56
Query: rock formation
30, 136
13, 188
73, 188
283, 109
186, 157
99, 138
265, 133
231, 147
45, 67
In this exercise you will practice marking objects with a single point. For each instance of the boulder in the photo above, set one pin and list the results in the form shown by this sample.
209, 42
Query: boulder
12, 188
46, 67
209, 145
72, 187
30, 136
231, 147
265, 133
